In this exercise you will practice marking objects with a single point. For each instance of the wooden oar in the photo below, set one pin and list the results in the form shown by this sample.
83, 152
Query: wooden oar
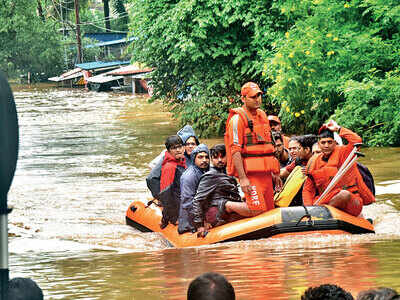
8, 160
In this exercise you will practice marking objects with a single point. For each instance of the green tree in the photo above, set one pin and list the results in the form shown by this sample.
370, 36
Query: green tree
122, 19
203, 51
28, 42
339, 57
307, 54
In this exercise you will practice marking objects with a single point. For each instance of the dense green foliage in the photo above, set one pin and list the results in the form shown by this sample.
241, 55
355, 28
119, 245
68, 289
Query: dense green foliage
27, 42
122, 19
32, 40
315, 58
93, 20
342, 58
203, 52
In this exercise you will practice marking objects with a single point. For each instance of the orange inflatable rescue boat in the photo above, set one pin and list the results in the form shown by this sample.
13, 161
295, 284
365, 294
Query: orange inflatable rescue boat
278, 222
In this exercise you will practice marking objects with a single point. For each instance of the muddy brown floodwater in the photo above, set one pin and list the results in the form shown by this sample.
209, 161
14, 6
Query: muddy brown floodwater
83, 159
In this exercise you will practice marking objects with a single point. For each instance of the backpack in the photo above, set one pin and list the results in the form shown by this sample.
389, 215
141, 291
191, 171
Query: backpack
154, 178
367, 177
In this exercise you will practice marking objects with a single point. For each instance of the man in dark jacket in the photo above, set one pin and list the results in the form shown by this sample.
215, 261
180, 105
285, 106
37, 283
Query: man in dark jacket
214, 189
189, 181
172, 169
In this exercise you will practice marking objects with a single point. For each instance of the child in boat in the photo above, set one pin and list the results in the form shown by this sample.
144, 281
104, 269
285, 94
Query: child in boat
172, 169
189, 140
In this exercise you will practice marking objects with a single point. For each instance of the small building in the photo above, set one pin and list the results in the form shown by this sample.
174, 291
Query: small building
71, 78
96, 74
136, 79
110, 43
92, 75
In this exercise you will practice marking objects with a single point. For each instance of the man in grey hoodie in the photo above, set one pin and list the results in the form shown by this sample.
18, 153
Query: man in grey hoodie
189, 181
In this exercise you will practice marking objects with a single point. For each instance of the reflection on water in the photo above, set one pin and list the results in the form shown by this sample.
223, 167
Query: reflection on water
83, 159
256, 273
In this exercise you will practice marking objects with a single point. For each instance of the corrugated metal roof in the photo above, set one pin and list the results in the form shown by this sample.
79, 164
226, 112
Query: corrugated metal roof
100, 64
113, 42
71, 74
130, 70
102, 78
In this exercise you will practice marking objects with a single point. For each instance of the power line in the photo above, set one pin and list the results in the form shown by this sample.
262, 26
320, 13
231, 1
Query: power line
105, 19
109, 30
119, 16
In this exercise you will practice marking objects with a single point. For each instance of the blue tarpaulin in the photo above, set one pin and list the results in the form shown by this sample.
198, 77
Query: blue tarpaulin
101, 64
109, 43
105, 36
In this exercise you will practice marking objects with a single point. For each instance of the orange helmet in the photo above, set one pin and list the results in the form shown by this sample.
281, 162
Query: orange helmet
250, 89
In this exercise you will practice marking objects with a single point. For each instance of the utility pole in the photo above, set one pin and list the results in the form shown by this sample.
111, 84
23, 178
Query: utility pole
106, 9
78, 31
63, 31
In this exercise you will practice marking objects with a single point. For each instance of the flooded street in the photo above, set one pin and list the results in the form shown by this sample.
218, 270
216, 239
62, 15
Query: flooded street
83, 159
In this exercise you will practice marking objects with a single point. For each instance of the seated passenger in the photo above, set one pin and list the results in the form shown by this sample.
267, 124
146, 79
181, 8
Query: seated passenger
189, 182
316, 149
350, 193
364, 171
281, 153
153, 179
293, 147
172, 169
306, 143
190, 141
215, 187
294, 197
276, 126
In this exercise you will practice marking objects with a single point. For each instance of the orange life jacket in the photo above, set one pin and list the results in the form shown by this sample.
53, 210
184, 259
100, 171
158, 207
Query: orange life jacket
257, 149
351, 180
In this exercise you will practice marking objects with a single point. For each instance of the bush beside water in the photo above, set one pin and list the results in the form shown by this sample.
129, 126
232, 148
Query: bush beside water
316, 59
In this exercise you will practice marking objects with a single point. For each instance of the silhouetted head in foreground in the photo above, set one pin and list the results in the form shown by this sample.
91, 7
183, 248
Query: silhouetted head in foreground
210, 286
23, 289
381, 293
326, 292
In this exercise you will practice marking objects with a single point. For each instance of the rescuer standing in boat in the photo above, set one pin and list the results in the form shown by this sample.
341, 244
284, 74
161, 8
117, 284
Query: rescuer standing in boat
350, 193
250, 154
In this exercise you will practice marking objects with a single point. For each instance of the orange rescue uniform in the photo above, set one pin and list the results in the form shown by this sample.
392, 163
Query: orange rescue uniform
251, 136
285, 141
320, 172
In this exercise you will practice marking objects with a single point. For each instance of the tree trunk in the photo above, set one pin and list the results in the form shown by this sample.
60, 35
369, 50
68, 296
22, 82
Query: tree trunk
40, 10
106, 7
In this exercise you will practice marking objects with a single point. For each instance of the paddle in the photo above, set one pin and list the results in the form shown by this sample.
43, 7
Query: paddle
8, 160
